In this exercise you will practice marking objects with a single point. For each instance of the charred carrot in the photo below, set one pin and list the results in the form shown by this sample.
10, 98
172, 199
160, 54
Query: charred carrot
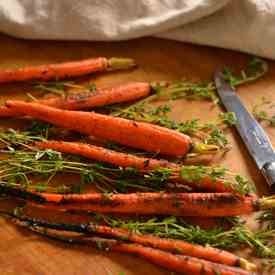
175, 246
173, 262
177, 263
84, 100
171, 245
65, 70
139, 135
177, 204
104, 155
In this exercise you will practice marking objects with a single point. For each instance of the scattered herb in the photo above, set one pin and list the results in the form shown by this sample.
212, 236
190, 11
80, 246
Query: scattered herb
232, 238
91, 87
55, 87
21, 165
256, 68
260, 112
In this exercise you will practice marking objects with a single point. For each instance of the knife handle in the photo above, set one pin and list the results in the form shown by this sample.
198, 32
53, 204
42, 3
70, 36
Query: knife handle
268, 171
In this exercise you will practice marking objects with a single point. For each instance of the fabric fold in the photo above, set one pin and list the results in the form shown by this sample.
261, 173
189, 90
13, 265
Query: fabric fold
243, 25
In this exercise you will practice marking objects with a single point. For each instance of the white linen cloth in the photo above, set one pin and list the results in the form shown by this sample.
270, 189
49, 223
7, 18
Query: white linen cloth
245, 25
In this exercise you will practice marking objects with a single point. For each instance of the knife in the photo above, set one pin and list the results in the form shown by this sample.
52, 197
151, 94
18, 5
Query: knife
252, 134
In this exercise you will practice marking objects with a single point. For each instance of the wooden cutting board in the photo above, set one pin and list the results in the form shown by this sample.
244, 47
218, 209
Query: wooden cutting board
23, 253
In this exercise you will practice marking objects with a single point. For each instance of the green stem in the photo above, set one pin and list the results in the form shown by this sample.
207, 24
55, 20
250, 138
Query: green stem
202, 148
267, 202
116, 63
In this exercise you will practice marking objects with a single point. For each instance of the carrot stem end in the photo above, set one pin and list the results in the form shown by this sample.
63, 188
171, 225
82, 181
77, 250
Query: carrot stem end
116, 63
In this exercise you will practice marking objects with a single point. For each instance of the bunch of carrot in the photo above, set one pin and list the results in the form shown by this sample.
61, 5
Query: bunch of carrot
61, 111
176, 255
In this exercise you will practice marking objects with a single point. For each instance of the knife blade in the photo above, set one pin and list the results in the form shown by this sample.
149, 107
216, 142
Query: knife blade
252, 134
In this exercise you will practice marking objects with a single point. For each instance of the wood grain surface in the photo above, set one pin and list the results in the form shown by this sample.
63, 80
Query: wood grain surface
24, 253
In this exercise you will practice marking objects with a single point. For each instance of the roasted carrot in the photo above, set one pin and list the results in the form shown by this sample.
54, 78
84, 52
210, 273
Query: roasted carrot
173, 262
122, 93
177, 204
65, 70
7, 112
129, 160
209, 184
171, 245
177, 263
139, 135
175, 246
104, 155
84, 100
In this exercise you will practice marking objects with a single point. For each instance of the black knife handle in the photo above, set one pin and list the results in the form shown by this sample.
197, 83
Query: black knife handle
268, 171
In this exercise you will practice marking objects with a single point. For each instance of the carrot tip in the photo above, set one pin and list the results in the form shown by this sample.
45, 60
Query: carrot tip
247, 265
116, 63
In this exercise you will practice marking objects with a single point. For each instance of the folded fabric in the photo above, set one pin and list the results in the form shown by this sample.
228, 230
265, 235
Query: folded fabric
245, 25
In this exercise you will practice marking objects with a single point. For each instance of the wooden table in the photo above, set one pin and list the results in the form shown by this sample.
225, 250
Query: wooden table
23, 253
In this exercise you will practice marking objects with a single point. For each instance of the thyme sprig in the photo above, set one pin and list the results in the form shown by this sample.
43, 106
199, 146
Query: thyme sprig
142, 110
12, 137
260, 111
235, 237
60, 87
210, 132
20, 164
191, 173
256, 68
22, 168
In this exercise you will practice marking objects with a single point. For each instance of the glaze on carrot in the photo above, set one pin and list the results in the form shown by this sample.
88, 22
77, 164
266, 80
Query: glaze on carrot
7, 112
175, 246
171, 245
177, 204
84, 100
105, 155
139, 135
178, 263
129, 160
172, 262
65, 70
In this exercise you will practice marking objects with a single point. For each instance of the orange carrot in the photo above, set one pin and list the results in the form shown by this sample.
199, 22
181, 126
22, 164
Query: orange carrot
127, 92
177, 204
207, 183
175, 246
139, 135
178, 263
173, 262
7, 112
171, 245
104, 155
128, 160
122, 93
65, 70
